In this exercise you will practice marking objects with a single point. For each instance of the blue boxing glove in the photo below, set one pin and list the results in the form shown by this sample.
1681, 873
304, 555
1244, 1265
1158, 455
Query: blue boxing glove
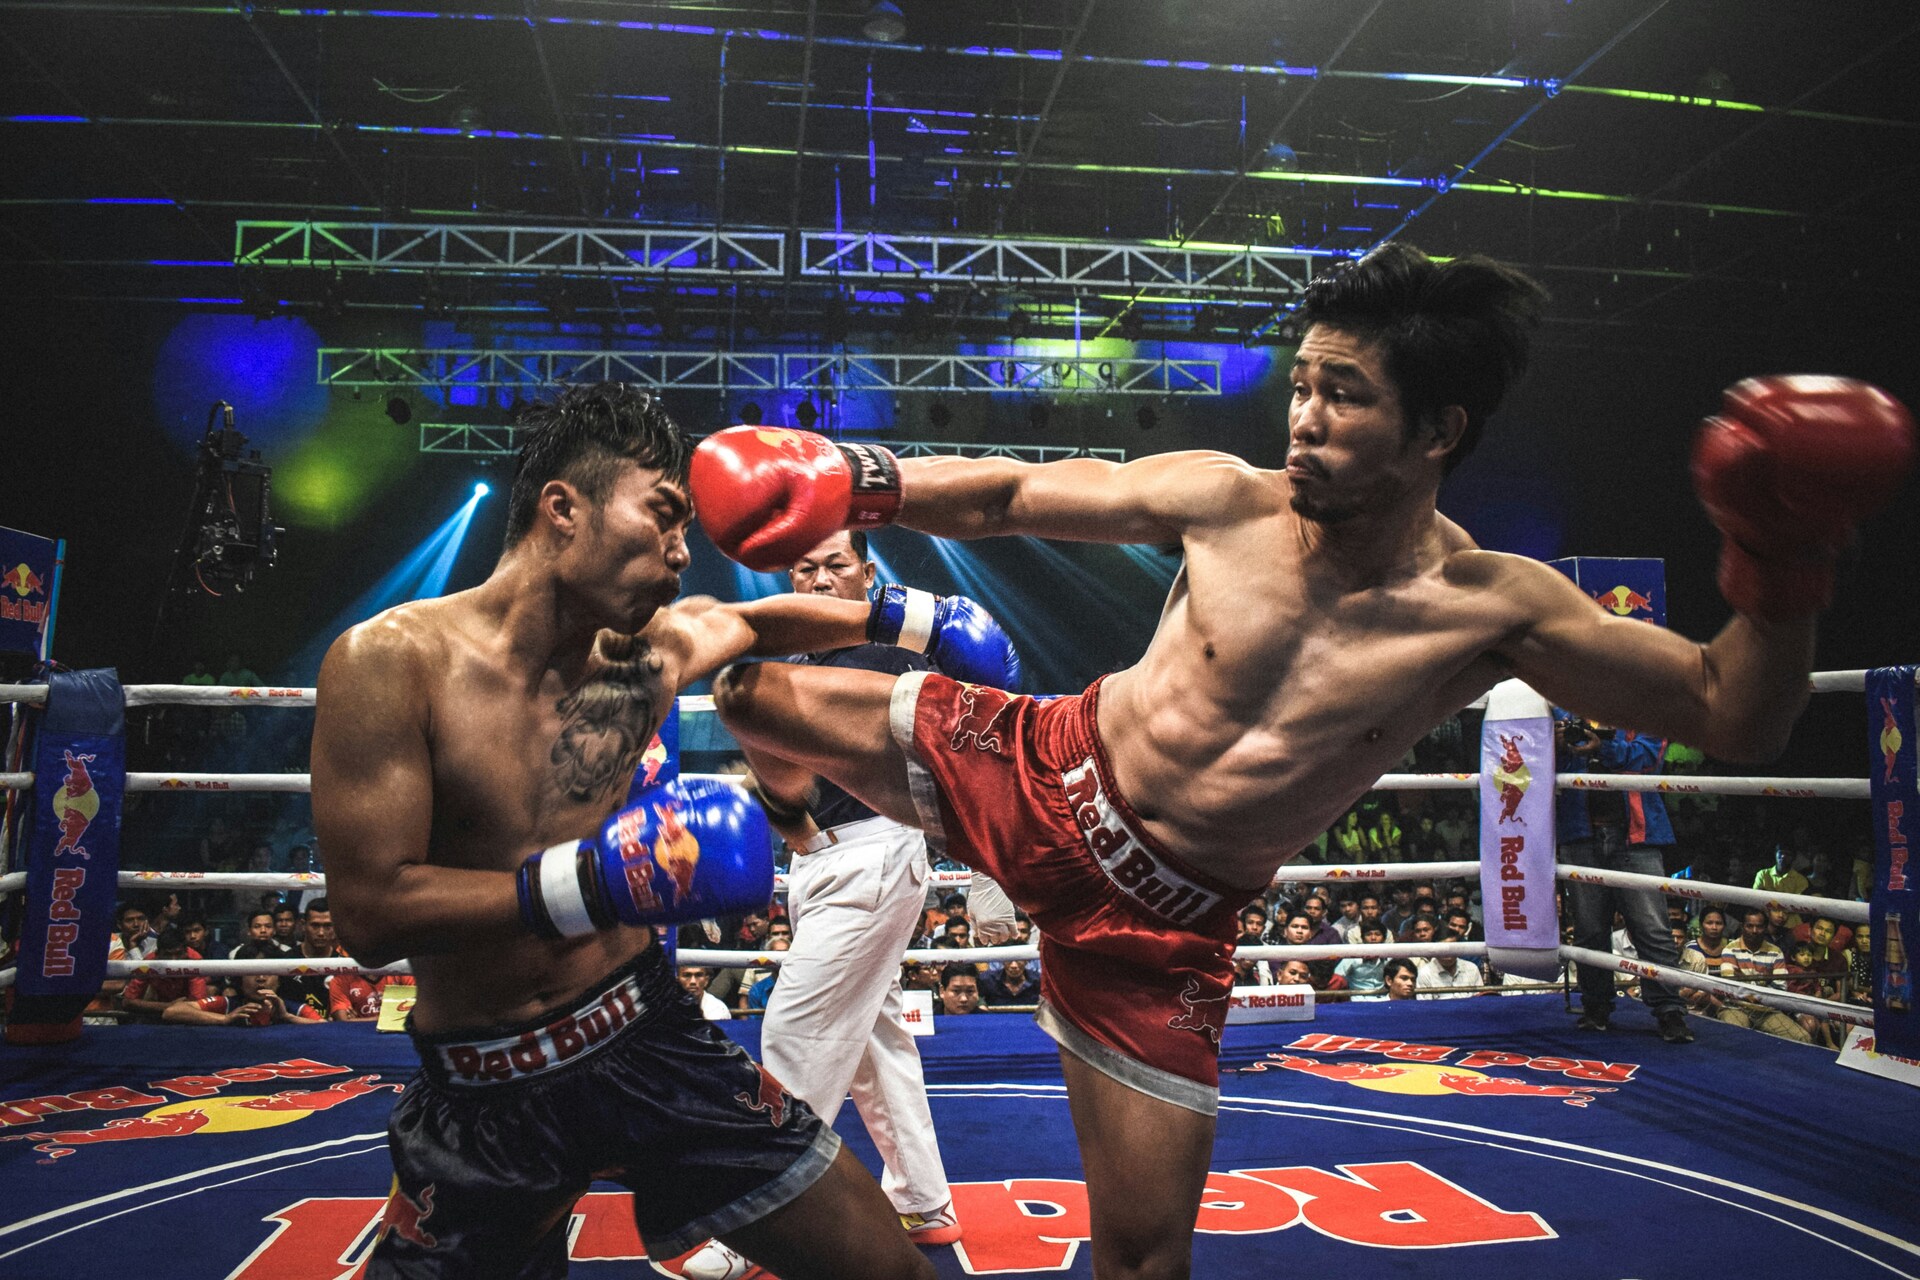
959, 635
685, 850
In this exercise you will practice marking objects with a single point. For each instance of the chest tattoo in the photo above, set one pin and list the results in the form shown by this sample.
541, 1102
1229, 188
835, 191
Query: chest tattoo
606, 723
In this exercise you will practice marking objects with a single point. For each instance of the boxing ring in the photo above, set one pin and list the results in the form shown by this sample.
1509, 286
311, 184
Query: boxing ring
1482, 1137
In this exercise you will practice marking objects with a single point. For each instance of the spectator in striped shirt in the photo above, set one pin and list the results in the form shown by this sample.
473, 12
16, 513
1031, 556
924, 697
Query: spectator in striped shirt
1754, 956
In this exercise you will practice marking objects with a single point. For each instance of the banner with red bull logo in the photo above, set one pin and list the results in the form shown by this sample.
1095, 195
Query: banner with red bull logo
27, 591
1896, 902
1625, 588
73, 853
1517, 832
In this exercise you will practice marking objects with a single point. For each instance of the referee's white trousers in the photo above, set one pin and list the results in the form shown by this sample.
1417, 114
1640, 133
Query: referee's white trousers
833, 1022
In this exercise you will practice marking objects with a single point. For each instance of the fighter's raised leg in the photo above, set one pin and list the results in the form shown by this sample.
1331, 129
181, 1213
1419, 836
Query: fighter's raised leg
829, 721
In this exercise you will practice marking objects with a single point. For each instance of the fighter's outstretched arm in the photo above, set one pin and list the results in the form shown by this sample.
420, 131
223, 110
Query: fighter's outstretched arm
1151, 500
373, 808
1736, 697
768, 495
698, 636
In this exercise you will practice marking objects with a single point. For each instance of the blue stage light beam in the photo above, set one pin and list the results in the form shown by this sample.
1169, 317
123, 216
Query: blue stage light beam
401, 583
1161, 568
434, 581
1045, 646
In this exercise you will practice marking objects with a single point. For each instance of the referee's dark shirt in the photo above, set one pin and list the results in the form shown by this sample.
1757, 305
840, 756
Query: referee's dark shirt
835, 807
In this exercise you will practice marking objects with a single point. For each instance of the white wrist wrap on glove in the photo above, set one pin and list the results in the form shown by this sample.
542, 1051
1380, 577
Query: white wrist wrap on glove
916, 621
560, 890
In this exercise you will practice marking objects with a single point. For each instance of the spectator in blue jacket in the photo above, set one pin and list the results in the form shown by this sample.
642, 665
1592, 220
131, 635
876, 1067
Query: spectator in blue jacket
1617, 831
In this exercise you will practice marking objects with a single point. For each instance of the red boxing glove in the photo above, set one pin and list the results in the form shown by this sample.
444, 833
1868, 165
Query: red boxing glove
1785, 473
768, 495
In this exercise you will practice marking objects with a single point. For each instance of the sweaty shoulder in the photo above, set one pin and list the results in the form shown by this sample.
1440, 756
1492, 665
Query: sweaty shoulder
400, 648
1517, 585
1210, 486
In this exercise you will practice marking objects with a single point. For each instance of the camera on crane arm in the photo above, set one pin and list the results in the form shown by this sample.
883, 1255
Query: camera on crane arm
230, 533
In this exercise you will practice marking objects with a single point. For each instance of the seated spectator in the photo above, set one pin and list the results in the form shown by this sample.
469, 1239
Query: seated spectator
1401, 976
286, 926
1296, 931
1753, 955
316, 943
1347, 923
1349, 841
1315, 907
1398, 908
1359, 975
1780, 877
259, 933
253, 1001
1830, 939
147, 997
955, 904
1859, 980
1011, 984
693, 980
1422, 929
198, 938
1460, 927
1248, 972
132, 939
1298, 973
1425, 907
915, 976
959, 989
1253, 926
1384, 840
1440, 978
779, 938
1780, 926
1022, 933
355, 997
958, 931
1423, 843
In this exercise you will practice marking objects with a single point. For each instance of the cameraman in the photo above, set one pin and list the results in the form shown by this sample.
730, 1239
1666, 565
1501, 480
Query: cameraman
1617, 831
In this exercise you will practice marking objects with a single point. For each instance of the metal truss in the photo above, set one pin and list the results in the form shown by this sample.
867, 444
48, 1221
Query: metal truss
930, 260
1054, 374
767, 371
504, 441
505, 367
463, 249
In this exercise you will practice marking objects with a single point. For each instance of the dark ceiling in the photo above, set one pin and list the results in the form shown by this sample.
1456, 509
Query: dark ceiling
137, 134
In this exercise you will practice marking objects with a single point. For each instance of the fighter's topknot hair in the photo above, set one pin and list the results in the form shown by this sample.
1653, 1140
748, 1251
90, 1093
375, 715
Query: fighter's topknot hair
1455, 332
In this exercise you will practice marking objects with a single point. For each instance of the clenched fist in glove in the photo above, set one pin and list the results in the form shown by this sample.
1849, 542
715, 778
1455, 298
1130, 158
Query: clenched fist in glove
1786, 471
768, 495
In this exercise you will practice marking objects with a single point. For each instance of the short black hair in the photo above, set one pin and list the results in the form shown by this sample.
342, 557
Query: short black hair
256, 951
171, 939
1396, 964
958, 969
858, 538
1373, 926
584, 437
316, 904
1457, 332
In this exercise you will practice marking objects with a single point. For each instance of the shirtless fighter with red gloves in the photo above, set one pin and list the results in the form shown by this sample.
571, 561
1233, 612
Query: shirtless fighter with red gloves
1326, 618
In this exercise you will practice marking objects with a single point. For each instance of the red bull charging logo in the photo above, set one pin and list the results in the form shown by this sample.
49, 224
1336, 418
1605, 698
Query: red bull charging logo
1623, 602
1513, 777
1890, 739
75, 805
203, 1108
1432, 1070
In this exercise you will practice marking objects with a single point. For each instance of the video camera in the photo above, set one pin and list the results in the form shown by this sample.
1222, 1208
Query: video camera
230, 531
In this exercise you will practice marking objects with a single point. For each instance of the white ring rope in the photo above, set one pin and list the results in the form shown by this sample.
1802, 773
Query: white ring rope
221, 695
1787, 788
1841, 910
1855, 1014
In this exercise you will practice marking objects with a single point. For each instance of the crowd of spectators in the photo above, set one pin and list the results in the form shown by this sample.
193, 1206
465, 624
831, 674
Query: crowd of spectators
1724, 840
